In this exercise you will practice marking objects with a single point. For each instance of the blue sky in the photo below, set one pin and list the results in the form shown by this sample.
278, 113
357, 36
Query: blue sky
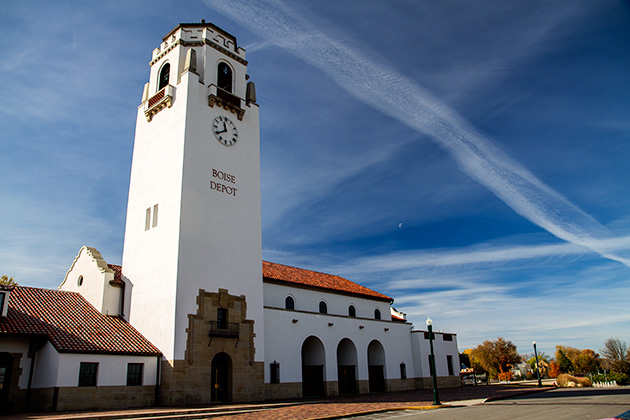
469, 159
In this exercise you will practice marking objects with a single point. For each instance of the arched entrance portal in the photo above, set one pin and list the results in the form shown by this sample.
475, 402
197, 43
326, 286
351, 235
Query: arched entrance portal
347, 367
221, 378
376, 366
313, 362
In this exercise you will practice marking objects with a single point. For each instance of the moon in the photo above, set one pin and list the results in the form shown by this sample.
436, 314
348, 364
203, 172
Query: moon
400, 225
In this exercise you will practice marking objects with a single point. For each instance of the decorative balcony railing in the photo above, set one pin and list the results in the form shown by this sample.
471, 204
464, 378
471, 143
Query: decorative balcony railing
226, 100
162, 99
226, 329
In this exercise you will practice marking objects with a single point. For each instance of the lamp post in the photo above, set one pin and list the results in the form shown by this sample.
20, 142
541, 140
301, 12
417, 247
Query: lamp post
537, 369
436, 396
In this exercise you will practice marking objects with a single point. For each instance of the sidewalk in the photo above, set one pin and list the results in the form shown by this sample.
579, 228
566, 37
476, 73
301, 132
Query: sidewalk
359, 404
326, 408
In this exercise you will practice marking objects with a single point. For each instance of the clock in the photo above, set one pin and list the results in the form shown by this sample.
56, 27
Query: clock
225, 131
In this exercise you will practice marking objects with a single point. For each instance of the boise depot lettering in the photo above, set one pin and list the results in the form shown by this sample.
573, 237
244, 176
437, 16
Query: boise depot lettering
223, 176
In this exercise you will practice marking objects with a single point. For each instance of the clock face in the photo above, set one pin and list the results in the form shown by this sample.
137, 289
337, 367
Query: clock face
225, 131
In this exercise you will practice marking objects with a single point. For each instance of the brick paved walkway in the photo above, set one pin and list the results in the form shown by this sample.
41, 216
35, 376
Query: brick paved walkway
326, 408
345, 406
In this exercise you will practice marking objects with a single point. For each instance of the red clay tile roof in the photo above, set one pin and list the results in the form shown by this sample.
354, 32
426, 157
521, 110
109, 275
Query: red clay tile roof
118, 281
71, 324
279, 273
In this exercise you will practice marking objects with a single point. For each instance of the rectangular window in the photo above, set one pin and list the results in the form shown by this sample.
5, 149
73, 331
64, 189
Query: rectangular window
430, 365
447, 337
155, 215
87, 374
449, 363
274, 370
3, 376
222, 315
2, 296
134, 374
426, 335
403, 371
147, 220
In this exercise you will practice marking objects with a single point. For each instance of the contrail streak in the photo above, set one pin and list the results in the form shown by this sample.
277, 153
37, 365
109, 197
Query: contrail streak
404, 99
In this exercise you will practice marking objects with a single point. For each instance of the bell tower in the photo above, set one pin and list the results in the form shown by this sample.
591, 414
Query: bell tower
193, 224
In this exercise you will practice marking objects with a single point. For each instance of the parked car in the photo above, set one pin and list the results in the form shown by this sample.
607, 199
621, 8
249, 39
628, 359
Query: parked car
622, 416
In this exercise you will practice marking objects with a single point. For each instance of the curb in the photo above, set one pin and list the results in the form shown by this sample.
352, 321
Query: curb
382, 410
516, 394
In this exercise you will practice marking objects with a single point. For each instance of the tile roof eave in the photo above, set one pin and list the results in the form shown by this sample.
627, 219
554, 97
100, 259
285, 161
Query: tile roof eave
107, 352
335, 291
24, 335
71, 324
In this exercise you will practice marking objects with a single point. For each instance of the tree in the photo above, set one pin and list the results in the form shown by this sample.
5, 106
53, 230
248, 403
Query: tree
554, 369
580, 361
587, 361
464, 359
615, 356
474, 363
496, 357
564, 363
7, 281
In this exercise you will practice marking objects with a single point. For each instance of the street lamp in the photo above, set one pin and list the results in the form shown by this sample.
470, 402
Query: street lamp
537, 369
436, 396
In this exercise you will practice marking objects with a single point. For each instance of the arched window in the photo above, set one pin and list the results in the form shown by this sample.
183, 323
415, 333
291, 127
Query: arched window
224, 77
352, 311
164, 76
377, 314
289, 303
323, 308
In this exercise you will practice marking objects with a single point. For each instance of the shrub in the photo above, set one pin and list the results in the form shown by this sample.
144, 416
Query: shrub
568, 381
620, 378
506, 376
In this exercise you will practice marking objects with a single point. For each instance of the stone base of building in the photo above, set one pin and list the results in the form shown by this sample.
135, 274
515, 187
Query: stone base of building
83, 398
394, 385
293, 390
283, 391
219, 363
193, 387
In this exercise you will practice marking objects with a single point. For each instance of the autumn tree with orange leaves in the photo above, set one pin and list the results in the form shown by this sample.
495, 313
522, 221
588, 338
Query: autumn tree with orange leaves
496, 357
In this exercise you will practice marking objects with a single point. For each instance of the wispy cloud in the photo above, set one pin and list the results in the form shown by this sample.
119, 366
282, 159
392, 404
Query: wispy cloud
402, 98
477, 303
476, 255
256, 46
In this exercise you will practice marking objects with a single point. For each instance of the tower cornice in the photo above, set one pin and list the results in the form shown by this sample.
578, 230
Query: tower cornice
198, 44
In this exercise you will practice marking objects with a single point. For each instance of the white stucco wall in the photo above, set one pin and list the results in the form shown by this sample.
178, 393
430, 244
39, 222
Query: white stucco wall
53, 369
220, 240
46, 367
18, 345
284, 337
204, 239
441, 350
308, 300
62, 370
90, 265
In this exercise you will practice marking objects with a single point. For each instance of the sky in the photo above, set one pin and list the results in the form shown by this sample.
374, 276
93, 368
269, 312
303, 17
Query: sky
468, 159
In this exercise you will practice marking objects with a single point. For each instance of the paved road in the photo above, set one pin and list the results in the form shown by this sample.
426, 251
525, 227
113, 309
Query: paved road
559, 404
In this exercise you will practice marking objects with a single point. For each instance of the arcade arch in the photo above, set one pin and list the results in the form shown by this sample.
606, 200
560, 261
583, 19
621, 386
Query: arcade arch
313, 367
347, 367
376, 366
